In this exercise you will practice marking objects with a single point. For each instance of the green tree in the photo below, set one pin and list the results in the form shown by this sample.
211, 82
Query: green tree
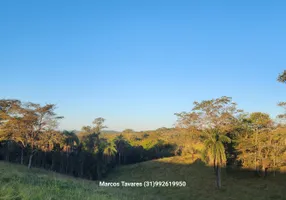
217, 113
98, 125
214, 151
282, 117
11, 124
215, 118
122, 146
38, 119
48, 140
277, 148
253, 143
25, 122
90, 137
260, 122
109, 150
282, 77
71, 142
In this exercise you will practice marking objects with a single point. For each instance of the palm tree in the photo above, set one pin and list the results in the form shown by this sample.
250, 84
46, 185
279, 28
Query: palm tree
48, 140
71, 141
214, 151
109, 150
121, 145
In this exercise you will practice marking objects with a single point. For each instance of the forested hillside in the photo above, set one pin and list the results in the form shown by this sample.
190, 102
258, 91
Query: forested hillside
215, 131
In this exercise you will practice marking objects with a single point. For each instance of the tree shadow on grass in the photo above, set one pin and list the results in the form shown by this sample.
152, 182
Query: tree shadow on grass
237, 183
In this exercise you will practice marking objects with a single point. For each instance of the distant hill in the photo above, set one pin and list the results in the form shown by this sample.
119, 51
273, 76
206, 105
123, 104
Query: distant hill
104, 131
110, 131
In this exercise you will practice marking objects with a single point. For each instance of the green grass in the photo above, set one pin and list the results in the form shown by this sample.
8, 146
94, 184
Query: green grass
19, 183
200, 182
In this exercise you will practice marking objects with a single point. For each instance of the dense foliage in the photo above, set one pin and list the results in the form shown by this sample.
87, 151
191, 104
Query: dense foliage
29, 136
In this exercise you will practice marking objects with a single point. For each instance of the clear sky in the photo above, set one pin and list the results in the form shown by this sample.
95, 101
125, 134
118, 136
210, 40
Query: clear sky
138, 62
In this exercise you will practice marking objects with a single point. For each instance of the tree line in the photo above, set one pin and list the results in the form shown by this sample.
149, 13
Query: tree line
231, 137
29, 136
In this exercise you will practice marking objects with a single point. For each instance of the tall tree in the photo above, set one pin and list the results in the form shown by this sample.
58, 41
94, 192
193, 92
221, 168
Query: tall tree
70, 143
282, 116
47, 142
260, 122
109, 150
25, 122
216, 118
39, 119
217, 113
122, 145
90, 137
282, 77
253, 142
277, 148
12, 124
214, 151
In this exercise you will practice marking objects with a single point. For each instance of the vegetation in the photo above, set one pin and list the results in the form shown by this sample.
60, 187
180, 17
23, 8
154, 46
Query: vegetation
17, 182
282, 77
227, 144
236, 185
28, 136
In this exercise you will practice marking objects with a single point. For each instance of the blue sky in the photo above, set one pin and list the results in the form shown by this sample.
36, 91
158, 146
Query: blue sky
136, 63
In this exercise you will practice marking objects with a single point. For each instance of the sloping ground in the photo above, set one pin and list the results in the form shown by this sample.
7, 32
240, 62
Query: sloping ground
19, 183
200, 181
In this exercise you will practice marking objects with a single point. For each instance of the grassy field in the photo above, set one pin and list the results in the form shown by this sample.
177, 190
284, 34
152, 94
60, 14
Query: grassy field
19, 183
200, 181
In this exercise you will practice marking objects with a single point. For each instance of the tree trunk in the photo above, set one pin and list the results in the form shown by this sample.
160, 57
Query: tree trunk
98, 167
7, 152
255, 159
274, 166
61, 162
72, 168
82, 166
61, 166
265, 172
98, 171
44, 160
218, 177
22, 156
67, 164
30, 161
53, 163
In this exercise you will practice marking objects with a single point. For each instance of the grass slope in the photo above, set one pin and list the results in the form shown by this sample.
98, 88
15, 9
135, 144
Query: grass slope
200, 181
17, 182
